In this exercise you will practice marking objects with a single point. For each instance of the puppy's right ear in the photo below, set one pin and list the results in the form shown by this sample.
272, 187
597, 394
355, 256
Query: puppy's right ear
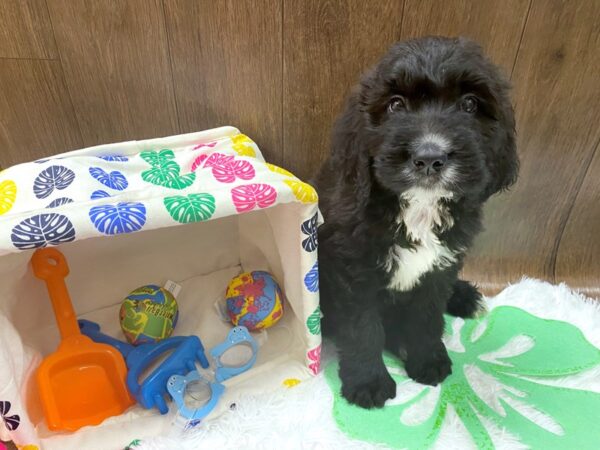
350, 157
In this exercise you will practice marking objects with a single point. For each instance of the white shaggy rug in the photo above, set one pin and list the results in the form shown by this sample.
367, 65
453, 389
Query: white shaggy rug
301, 417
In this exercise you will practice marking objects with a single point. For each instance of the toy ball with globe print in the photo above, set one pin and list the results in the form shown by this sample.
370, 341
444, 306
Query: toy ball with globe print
148, 315
254, 300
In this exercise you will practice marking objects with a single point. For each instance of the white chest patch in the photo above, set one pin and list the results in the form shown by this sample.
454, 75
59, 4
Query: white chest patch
423, 214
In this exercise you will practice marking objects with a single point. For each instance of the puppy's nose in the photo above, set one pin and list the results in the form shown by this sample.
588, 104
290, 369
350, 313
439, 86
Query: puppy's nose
429, 158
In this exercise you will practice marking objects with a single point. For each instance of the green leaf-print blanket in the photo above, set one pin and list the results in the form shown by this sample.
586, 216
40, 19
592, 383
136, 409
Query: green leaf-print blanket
509, 376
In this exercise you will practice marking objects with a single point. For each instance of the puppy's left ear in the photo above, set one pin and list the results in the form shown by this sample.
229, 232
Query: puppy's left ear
505, 160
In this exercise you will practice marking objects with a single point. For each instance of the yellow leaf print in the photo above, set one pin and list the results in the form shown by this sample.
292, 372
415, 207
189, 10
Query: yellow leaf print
303, 191
242, 145
291, 382
279, 170
8, 194
28, 447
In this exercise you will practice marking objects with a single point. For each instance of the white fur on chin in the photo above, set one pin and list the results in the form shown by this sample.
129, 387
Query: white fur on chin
424, 214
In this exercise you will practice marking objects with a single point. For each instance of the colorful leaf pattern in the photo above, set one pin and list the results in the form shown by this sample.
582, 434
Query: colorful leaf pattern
279, 170
8, 195
225, 168
41, 230
304, 192
99, 194
309, 227
190, 208
59, 202
314, 321
54, 177
314, 356
165, 171
243, 145
249, 196
114, 180
12, 422
114, 158
311, 279
124, 217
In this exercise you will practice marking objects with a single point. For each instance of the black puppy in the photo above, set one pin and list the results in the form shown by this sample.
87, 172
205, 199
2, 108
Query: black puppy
425, 139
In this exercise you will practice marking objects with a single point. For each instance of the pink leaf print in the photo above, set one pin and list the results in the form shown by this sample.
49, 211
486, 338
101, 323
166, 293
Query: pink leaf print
246, 198
225, 168
205, 144
315, 356
229, 170
198, 162
217, 159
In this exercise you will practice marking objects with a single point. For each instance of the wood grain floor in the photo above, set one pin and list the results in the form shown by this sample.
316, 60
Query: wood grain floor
76, 73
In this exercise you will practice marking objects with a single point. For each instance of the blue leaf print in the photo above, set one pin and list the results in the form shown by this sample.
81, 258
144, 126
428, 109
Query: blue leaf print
114, 158
59, 202
114, 180
125, 217
99, 194
311, 280
309, 227
54, 177
42, 229
41, 161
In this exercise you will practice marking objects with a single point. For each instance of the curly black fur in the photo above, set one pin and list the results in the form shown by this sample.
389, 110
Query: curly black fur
366, 189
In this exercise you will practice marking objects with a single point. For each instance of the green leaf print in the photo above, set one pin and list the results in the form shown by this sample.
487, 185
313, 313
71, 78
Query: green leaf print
158, 159
314, 321
190, 208
165, 172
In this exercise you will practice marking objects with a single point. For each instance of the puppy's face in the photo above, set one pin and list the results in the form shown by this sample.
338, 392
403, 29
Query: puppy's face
442, 119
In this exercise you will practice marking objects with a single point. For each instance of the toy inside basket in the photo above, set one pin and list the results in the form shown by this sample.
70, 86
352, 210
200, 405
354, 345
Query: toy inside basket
197, 209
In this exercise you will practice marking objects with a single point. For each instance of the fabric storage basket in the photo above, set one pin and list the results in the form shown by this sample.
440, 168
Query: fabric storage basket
197, 209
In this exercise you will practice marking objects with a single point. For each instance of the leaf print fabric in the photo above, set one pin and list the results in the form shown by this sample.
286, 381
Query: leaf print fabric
314, 357
314, 321
41, 230
190, 208
311, 280
279, 170
114, 158
165, 171
225, 168
303, 191
114, 180
243, 145
124, 217
247, 197
309, 228
155, 186
59, 202
11, 421
54, 177
8, 195
500, 378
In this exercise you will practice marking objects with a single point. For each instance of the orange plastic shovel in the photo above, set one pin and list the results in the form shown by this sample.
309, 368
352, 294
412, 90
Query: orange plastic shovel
83, 382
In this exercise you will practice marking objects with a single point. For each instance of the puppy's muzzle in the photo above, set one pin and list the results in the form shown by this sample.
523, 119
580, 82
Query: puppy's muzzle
429, 158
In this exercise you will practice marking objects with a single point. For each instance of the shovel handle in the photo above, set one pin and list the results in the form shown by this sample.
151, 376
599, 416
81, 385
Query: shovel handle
51, 266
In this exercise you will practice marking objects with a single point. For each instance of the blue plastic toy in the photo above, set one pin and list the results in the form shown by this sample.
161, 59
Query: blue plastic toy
236, 336
177, 384
151, 392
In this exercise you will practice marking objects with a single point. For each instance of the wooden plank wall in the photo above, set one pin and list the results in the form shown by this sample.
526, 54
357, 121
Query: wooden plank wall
76, 73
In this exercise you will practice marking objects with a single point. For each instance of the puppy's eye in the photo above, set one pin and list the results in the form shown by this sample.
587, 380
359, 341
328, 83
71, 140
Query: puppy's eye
469, 104
397, 103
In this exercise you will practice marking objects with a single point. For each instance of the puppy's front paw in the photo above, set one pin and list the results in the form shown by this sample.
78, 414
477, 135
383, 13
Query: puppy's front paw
371, 392
429, 369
